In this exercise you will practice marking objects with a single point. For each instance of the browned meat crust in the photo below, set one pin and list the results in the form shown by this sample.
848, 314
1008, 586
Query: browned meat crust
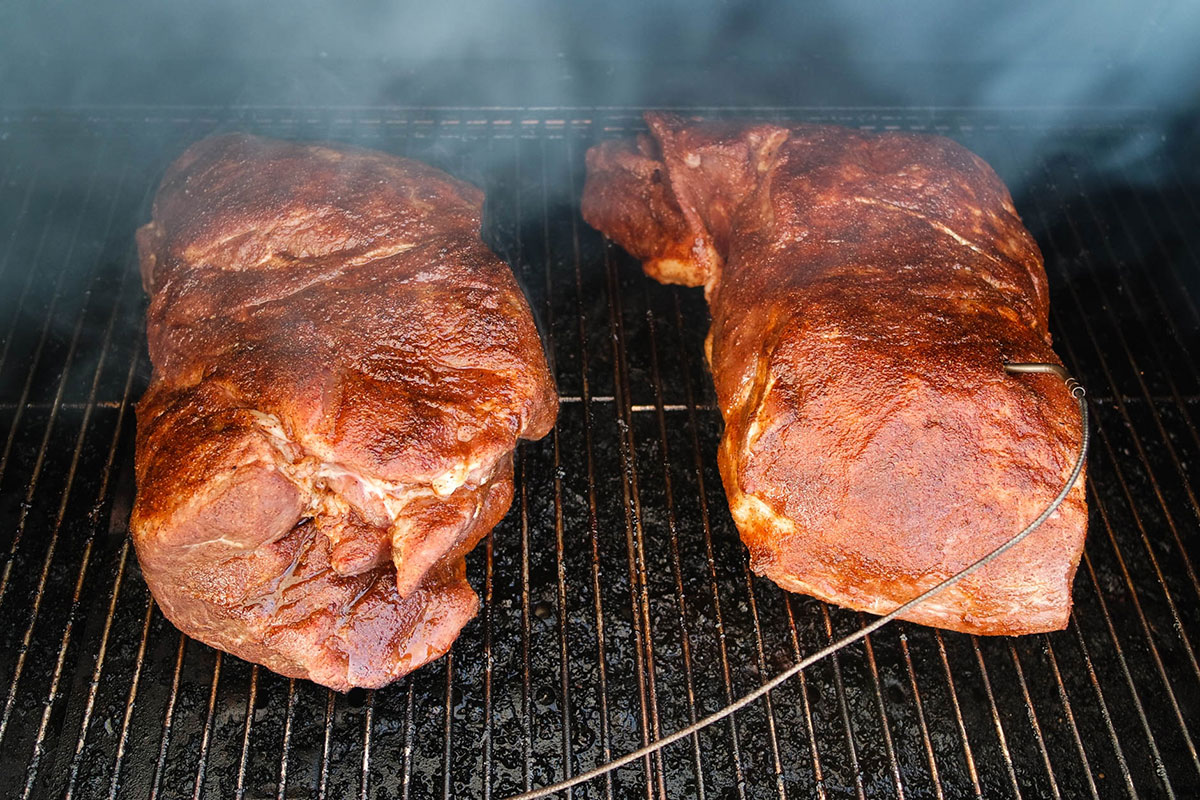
341, 372
866, 290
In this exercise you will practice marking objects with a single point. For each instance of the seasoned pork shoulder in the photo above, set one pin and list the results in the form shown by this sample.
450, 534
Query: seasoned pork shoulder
865, 290
341, 372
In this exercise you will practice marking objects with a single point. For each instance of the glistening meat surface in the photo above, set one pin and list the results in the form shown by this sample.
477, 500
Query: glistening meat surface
866, 291
342, 370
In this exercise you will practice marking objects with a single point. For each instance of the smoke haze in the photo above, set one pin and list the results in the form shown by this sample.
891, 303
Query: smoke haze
1052, 55
1057, 64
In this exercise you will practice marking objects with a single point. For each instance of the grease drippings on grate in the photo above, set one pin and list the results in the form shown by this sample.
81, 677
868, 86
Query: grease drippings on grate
617, 603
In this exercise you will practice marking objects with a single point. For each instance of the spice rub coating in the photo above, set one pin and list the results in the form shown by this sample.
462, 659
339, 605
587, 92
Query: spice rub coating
342, 370
866, 290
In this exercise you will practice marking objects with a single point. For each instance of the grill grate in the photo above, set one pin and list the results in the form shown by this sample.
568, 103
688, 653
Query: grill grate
617, 600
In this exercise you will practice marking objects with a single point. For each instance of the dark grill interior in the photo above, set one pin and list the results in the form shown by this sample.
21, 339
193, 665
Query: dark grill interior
617, 600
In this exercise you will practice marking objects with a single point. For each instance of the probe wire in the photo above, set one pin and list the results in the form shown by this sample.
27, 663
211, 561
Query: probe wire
1076, 391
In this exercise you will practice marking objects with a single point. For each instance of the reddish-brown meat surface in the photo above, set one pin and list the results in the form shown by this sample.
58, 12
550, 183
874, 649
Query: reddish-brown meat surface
866, 291
341, 372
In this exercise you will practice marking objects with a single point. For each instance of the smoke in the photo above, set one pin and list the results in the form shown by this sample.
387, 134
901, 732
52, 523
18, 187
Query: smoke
1048, 55
1060, 63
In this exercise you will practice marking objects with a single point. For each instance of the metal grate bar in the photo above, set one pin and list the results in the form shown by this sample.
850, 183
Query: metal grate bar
123, 739
80, 440
1065, 699
639, 600
702, 498
1146, 629
206, 736
560, 556
1033, 720
637, 408
50, 312
1137, 439
1187, 360
489, 599
1108, 446
820, 778
673, 542
286, 748
1165, 440
968, 753
526, 672
803, 686
1149, 550
768, 702
883, 718
779, 770
489, 623
94, 684
168, 718
131, 700
987, 688
593, 518
526, 624
673, 528
408, 735
13, 426
925, 737
1106, 715
1114, 637
35, 760
323, 779
840, 685
39, 592
940, 711
91, 699
251, 699
446, 762
1152, 743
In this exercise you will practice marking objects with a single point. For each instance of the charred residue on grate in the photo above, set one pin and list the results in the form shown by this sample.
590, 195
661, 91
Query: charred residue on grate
617, 602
